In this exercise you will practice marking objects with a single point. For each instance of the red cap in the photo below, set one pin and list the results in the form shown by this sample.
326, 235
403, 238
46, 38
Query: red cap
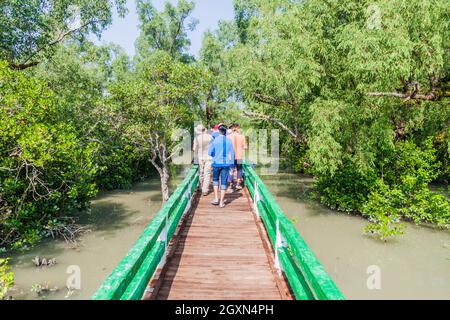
216, 127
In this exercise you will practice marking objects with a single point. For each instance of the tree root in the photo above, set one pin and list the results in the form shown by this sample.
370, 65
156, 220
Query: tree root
67, 229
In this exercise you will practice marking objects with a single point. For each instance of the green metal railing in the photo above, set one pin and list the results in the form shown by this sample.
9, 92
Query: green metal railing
130, 278
306, 276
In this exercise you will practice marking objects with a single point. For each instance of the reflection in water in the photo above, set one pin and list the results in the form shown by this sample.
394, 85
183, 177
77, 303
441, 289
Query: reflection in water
416, 265
413, 266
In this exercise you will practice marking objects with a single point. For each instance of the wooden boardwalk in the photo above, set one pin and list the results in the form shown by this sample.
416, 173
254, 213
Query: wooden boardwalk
220, 254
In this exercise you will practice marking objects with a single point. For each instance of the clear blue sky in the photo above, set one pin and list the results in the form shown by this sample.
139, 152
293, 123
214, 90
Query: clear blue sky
124, 31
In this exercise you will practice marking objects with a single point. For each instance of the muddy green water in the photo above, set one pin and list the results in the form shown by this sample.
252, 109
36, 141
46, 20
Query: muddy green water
414, 266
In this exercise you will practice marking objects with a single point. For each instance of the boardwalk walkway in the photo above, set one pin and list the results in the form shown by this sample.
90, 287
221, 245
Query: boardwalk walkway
220, 254
193, 250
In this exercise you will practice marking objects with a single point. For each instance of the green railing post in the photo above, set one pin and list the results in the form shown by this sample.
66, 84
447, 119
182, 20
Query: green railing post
256, 199
163, 237
280, 243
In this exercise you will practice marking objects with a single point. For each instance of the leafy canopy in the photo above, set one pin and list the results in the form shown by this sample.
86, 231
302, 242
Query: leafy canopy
165, 30
30, 29
353, 85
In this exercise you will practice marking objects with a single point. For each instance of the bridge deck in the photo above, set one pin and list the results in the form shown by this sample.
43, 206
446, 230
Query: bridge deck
220, 254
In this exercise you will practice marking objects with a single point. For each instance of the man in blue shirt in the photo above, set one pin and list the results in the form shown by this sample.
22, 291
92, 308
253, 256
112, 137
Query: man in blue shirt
222, 152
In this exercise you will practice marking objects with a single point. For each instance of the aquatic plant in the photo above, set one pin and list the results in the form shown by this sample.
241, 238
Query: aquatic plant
6, 278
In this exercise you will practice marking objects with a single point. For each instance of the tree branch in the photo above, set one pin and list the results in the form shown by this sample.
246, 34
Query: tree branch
26, 64
406, 96
273, 101
21, 66
260, 116
175, 36
414, 95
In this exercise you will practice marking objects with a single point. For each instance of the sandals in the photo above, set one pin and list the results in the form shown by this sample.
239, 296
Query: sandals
217, 203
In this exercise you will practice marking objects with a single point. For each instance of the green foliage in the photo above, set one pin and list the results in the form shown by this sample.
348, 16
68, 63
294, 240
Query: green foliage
442, 147
165, 30
79, 75
346, 191
212, 57
159, 97
361, 95
296, 159
31, 29
352, 83
6, 278
76, 122
86, 117
43, 170
384, 211
162, 95
404, 192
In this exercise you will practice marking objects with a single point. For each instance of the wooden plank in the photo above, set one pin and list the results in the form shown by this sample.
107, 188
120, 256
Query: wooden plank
216, 295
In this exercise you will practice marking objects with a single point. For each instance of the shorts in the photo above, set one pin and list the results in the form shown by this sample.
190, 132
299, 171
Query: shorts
220, 173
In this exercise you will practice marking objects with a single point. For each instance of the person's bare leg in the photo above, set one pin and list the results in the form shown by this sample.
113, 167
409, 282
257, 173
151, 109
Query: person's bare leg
216, 201
216, 193
222, 197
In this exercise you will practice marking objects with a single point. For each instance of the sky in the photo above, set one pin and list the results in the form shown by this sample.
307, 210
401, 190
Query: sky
124, 31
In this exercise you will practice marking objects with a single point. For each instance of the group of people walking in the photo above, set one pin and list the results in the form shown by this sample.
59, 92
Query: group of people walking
220, 152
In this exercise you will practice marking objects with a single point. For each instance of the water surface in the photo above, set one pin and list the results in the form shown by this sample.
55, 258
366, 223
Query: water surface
413, 266
116, 220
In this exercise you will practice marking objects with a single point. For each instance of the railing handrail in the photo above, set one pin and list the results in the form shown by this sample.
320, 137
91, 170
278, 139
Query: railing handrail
305, 274
129, 279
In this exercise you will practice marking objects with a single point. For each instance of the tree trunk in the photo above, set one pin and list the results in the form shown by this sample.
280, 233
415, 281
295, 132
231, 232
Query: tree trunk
159, 151
165, 176
163, 171
209, 108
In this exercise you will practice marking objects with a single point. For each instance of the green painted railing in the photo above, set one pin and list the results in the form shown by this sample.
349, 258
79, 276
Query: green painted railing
306, 276
130, 278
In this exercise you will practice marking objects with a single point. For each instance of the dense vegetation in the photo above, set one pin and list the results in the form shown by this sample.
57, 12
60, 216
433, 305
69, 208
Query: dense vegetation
59, 137
360, 90
77, 117
45, 169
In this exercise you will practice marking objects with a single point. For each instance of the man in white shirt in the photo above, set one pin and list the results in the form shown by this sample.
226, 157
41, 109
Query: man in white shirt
202, 142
